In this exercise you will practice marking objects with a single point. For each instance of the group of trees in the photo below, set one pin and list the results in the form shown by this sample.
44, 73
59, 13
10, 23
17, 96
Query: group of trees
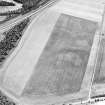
4, 100
11, 39
14, 34
29, 5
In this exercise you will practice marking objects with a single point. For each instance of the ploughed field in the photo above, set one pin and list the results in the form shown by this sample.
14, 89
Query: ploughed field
63, 62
